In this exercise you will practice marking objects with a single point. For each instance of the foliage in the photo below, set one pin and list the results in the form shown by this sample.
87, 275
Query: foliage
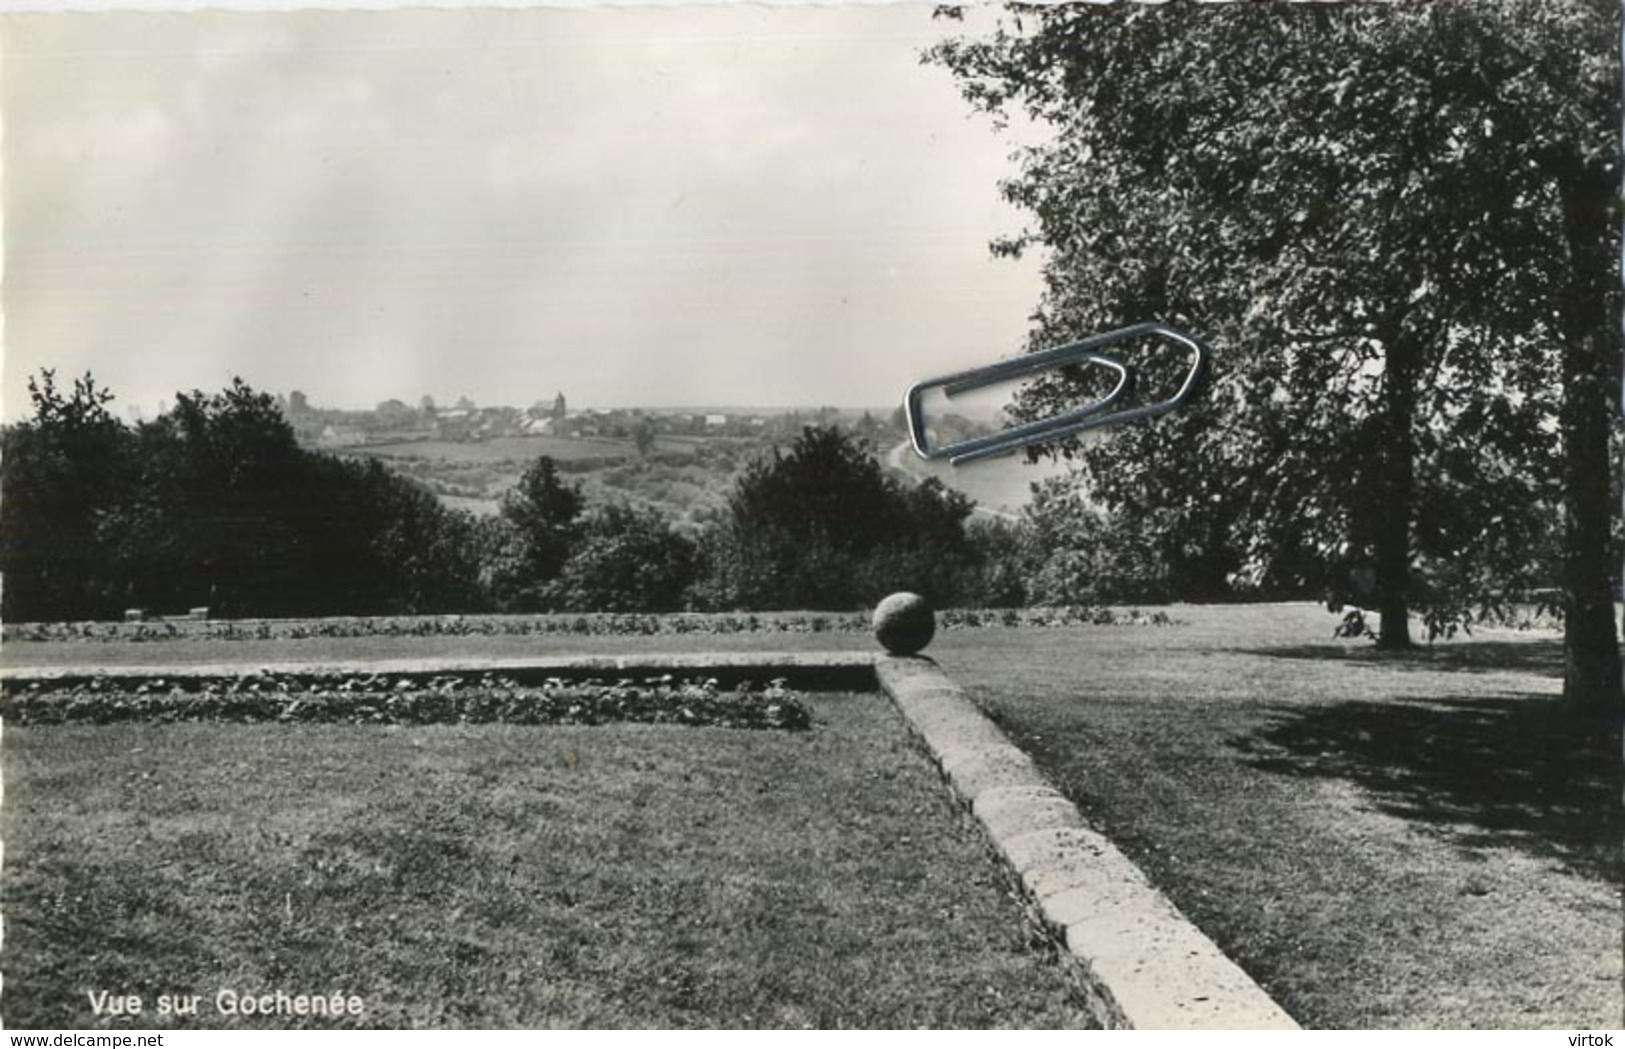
61, 472
530, 545
212, 504
1077, 554
625, 560
822, 527
998, 574
643, 436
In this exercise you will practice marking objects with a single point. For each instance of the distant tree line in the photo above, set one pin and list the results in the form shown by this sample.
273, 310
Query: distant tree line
214, 503
211, 504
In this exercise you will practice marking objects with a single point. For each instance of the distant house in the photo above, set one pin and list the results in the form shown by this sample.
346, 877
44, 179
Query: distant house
394, 413
716, 420
334, 435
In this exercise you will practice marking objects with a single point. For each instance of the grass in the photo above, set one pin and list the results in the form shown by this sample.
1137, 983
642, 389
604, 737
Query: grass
511, 876
1383, 840
1409, 841
255, 652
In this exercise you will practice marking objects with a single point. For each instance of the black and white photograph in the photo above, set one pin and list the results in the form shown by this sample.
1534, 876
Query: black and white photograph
839, 516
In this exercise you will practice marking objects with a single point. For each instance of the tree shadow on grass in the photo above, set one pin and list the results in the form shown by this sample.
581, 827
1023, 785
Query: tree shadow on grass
1504, 771
1535, 657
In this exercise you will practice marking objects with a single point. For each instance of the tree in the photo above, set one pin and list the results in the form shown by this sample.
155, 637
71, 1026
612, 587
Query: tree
220, 477
213, 503
1375, 214
394, 412
822, 526
1078, 555
540, 513
643, 435
1577, 78
62, 473
409, 554
625, 560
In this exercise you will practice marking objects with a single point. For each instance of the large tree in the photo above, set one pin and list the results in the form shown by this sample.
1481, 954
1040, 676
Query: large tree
529, 542
62, 472
822, 526
625, 560
1391, 222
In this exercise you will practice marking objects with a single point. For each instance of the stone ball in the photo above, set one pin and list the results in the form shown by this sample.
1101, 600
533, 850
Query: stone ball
904, 623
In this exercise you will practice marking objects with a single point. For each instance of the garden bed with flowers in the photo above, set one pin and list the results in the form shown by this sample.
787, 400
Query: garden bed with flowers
382, 699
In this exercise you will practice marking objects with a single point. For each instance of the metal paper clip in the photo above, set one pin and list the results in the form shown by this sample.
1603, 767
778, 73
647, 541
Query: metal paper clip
1075, 420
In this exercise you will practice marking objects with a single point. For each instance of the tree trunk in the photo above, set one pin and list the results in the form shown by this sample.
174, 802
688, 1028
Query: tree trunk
1396, 461
1591, 663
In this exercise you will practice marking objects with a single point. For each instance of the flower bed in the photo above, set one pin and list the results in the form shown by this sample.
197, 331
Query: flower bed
601, 624
375, 699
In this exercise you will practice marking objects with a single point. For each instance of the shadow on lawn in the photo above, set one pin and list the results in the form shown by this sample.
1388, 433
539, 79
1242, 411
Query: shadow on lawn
1535, 657
1504, 771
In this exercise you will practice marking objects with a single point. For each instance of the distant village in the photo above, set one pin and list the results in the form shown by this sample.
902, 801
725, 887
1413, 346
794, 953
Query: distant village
394, 421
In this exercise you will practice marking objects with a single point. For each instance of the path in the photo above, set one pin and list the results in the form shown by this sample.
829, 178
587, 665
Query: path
901, 458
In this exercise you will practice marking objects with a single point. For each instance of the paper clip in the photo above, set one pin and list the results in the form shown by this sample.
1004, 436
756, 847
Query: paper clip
1087, 417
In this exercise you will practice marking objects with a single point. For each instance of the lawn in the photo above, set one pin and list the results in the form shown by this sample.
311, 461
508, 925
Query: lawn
512, 876
1382, 841
1414, 840
254, 652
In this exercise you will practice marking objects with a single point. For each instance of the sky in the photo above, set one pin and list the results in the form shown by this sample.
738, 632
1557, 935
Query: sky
766, 206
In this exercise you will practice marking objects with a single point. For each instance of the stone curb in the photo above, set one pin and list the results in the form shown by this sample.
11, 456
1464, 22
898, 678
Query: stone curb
1147, 966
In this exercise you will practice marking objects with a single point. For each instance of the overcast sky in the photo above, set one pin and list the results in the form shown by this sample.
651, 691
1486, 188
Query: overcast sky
742, 205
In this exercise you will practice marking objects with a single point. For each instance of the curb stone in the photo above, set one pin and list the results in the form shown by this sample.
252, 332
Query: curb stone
1147, 966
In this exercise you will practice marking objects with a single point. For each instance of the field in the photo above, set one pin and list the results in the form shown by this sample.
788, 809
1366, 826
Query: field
1416, 840
512, 876
505, 449
686, 478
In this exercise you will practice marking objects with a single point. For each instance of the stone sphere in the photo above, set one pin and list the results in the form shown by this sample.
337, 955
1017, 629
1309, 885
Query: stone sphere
904, 624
